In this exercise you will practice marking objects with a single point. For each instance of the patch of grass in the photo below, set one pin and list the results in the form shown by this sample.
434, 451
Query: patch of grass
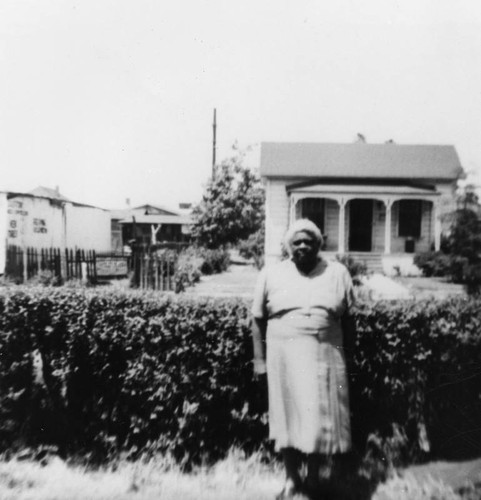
407, 488
235, 478
238, 477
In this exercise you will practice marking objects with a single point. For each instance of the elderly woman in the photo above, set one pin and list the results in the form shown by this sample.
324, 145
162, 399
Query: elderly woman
298, 339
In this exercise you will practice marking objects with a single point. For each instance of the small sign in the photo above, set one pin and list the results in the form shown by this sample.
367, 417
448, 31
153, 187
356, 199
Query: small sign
111, 266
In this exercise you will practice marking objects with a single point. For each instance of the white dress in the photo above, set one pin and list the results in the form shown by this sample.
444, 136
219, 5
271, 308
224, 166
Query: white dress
307, 380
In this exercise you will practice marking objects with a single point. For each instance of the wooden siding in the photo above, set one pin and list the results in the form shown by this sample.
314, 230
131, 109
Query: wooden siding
277, 216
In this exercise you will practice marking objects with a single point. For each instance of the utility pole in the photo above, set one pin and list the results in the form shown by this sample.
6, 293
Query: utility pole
214, 127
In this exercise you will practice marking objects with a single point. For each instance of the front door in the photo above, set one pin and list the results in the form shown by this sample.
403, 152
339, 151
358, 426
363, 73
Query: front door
360, 225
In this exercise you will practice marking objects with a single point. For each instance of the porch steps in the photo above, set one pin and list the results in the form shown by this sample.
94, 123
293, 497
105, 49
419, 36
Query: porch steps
373, 261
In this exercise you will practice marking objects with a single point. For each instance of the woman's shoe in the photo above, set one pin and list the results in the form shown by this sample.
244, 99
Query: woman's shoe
317, 490
289, 491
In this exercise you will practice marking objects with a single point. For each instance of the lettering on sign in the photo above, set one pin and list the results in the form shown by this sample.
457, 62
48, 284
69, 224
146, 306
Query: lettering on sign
16, 208
12, 233
13, 224
111, 266
39, 226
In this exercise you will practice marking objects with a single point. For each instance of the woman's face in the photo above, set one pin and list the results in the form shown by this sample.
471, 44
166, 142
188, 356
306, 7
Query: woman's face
304, 249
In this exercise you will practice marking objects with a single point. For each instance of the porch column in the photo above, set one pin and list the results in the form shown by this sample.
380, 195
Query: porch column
387, 226
292, 209
341, 245
437, 226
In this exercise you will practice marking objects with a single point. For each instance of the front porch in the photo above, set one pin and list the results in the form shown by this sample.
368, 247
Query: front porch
372, 220
383, 226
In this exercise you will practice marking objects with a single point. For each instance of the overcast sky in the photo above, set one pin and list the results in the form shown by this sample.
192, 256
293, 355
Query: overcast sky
113, 99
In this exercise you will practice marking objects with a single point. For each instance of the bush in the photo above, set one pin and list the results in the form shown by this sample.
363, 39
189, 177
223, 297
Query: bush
433, 263
195, 261
213, 261
460, 260
45, 278
356, 269
456, 268
188, 270
253, 248
104, 372
417, 365
127, 372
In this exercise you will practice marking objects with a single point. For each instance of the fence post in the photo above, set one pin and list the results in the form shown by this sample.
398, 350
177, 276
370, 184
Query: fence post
25, 264
83, 272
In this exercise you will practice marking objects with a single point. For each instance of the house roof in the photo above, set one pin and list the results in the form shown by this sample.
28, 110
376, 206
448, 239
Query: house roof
154, 209
147, 210
364, 189
156, 219
45, 192
359, 160
49, 194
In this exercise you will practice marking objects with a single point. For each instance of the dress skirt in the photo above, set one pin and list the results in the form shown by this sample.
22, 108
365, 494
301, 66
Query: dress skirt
308, 391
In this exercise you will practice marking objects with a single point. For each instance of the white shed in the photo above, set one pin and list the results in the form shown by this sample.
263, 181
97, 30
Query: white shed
44, 219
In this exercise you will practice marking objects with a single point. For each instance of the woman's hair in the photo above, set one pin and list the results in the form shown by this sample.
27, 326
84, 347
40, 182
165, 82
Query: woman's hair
302, 225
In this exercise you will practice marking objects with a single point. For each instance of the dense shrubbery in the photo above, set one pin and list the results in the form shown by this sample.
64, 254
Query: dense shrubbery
139, 372
417, 364
434, 263
456, 268
195, 261
460, 258
253, 248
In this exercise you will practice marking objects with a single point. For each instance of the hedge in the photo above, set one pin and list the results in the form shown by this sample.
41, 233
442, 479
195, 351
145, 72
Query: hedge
99, 372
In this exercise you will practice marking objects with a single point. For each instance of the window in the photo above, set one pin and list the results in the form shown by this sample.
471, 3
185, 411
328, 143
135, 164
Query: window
410, 218
313, 209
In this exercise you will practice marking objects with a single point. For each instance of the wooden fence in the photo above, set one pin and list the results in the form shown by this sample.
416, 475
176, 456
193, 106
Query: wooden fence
154, 269
23, 264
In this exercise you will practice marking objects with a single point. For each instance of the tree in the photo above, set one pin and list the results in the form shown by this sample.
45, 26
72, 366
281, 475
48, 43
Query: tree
463, 242
232, 207
460, 256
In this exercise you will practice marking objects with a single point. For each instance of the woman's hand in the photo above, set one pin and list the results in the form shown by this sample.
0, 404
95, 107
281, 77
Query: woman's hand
259, 367
259, 327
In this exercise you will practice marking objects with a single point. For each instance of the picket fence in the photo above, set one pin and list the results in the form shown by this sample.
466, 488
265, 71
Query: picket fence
151, 268
22, 264
152, 271
154, 268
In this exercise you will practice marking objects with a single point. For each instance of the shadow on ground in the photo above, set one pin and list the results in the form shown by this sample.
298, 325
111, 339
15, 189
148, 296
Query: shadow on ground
350, 480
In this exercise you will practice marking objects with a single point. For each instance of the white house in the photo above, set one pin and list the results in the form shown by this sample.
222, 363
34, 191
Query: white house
378, 202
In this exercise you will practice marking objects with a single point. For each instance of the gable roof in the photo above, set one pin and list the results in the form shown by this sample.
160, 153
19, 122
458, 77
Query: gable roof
45, 192
157, 219
49, 194
359, 160
147, 210
154, 209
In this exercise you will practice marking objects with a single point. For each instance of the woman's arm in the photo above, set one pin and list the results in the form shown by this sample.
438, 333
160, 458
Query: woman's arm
259, 328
